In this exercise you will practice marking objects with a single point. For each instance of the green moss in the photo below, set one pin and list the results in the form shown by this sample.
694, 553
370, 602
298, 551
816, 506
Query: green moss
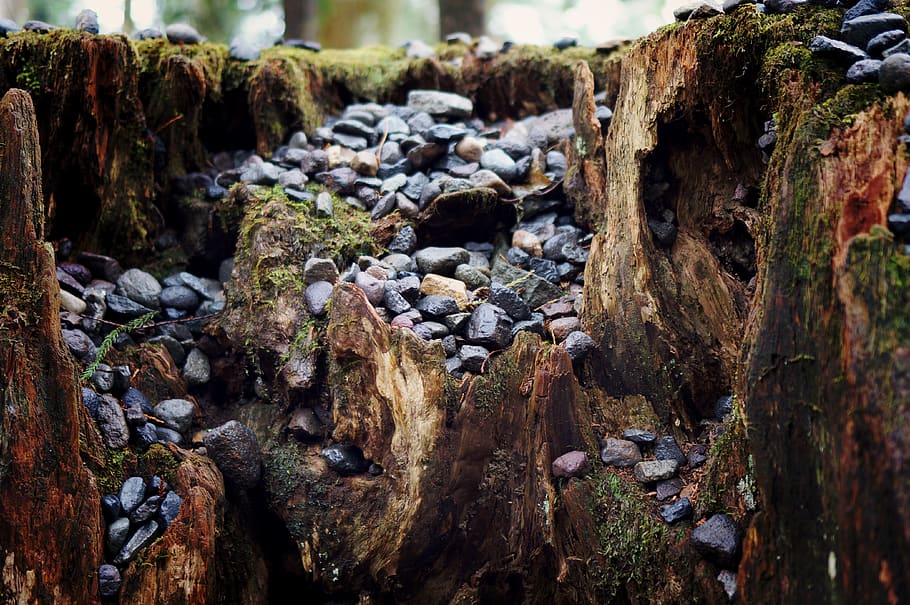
158, 460
640, 552
728, 484
117, 465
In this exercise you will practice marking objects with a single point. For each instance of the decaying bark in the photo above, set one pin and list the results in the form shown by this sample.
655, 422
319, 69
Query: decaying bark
50, 529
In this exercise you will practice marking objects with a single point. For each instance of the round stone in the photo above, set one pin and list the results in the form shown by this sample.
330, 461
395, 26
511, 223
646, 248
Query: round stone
108, 581
140, 287
235, 450
894, 73
177, 414
179, 297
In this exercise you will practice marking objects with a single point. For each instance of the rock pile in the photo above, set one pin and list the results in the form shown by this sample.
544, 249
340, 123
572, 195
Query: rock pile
430, 158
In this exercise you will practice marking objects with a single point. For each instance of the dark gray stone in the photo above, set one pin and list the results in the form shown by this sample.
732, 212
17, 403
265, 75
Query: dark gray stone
449, 345
414, 187
424, 154
884, 41
472, 357
177, 414
140, 287
181, 33
436, 306
783, 6
110, 507
121, 305
33, 25
718, 539
865, 7
668, 488
860, 30
441, 261
472, 277
664, 232
384, 206
354, 127
8, 26
431, 330
108, 581
132, 493
509, 301
666, 448
80, 345
534, 325
565, 42
649, 471
903, 196
235, 450
565, 247
901, 47
395, 302
170, 508
144, 435
142, 538
345, 459
197, 370
899, 224
179, 297
639, 436
489, 326
578, 345
173, 347
864, 71
103, 377
619, 452
117, 533
837, 50
723, 406
440, 104
679, 510
168, 435
340, 180
545, 268
444, 133
499, 162
697, 455
114, 432
405, 241
456, 321
146, 510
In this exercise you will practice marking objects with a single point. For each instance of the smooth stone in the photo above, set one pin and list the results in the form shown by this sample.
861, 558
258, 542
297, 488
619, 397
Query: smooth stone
109, 581
865, 7
860, 30
444, 133
146, 510
472, 357
80, 345
436, 306
619, 452
345, 459
101, 266
555, 125
174, 348
87, 21
393, 124
117, 533
8, 26
534, 290
783, 6
110, 507
242, 50
373, 288
142, 538
298, 140
197, 369
679, 510
837, 50
668, 488
459, 38
472, 277
112, 424
528, 242
884, 41
454, 366
535, 325
430, 330
639, 436
400, 262
179, 297
571, 464
293, 179
33, 25
440, 104
235, 450
470, 149
864, 71
718, 539
140, 287
449, 345
649, 471
491, 180
325, 207
441, 261
499, 162
666, 448
132, 493
170, 507
899, 224
320, 269
424, 154
561, 327
121, 305
901, 47
305, 425
438, 285
181, 33
148, 33
168, 435
177, 414
489, 326
103, 377
414, 186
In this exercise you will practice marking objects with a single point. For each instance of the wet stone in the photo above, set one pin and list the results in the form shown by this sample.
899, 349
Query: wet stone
345, 459
140, 287
837, 50
431, 330
145, 511
677, 511
110, 507
109, 581
80, 345
472, 357
132, 493
884, 41
170, 507
436, 306
865, 7
509, 301
618, 452
168, 435
864, 71
117, 533
861, 30
142, 538
490, 326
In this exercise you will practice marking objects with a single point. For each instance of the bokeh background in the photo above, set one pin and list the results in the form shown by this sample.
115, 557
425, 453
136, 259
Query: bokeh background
350, 23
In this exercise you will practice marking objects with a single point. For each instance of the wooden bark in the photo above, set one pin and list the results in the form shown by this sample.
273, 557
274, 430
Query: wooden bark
50, 529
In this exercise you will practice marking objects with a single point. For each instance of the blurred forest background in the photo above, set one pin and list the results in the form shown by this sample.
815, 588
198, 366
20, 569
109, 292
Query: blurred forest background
350, 23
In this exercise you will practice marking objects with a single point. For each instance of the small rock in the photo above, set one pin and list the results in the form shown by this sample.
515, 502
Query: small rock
140, 287
110, 507
181, 33
168, 435
305, 425
668, 488
667, 449
901, 47
697, 455
87, 21
489, 326
145, 511
619, 452
132, 493
177, 414
8, 26
440, 104
121, 305
649, 471
884, 41
179, 297
718, 539
40, 27
320, 269
472, 357
197, 370
723, 406
170, 508
80, 345
148, 33
324, 205
572, 464
727, 579
108, 579
437, 285
112, 424
563, 326
135, 397
783, 6
499, 162
566, 42
142, 538
365, 163
679, 510
345, 459
472, 277
490, 180
865, 7
535, 290
894, 73
837, 50
293, 179
506, 299
441, 261
117, 533
405, 241
578, 345
639, 436
528, 242
469, 149
235, 450
418, 49
373, 288
384, 206
860, 30
864, 71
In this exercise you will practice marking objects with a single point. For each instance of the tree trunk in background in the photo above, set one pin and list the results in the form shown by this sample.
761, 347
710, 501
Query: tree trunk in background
468, 16
301, 19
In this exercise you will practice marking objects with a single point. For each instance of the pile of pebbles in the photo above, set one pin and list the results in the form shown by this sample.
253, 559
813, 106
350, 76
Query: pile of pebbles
135, 517
474, 297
